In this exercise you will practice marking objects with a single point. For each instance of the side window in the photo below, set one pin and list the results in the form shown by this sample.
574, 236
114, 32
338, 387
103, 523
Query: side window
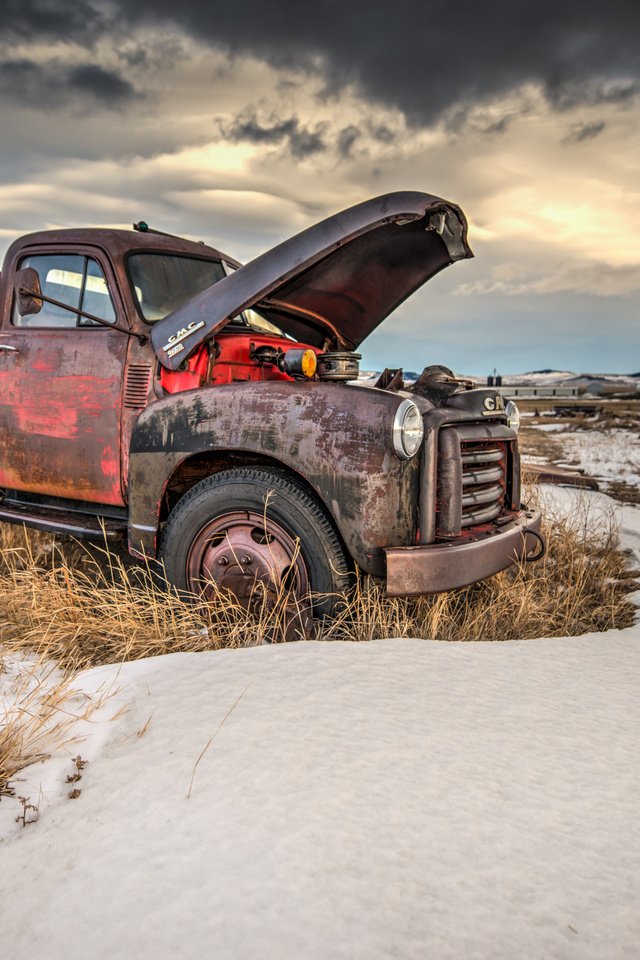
96, 297
72, 279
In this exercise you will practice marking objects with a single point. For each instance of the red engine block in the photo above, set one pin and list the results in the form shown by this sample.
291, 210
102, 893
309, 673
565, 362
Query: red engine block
230, 360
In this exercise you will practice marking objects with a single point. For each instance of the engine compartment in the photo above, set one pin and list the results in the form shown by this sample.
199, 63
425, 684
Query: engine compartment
239, 357
232, 358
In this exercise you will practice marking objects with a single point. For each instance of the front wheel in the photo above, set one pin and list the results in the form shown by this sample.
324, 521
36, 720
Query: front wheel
256, 534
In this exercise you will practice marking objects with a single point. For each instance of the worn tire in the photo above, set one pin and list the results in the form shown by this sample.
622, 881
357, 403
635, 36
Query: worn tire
292, 513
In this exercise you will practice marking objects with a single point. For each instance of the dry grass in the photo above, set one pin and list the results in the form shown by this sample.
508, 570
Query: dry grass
80, 607
539, 443
623, 492
83, 608
36, 720
86, 606
605, 414
581, 585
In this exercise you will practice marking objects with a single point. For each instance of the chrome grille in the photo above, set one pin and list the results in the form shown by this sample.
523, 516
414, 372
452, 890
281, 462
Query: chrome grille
477, 477
483, 482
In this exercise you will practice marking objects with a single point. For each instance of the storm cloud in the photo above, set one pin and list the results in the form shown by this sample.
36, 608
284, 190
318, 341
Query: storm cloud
422, 57
50, 20
242, 123
585, 131
302, 141
62, 85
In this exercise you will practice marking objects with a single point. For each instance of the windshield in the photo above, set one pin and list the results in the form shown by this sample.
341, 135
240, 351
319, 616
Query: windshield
252, 318
257, 322
164, 282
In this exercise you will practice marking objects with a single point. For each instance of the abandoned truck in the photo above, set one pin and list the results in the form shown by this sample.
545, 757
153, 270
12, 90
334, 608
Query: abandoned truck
154, 386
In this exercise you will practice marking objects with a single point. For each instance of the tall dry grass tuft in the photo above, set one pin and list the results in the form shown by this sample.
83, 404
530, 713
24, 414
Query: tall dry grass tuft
34, 721
83, 607
87, 606
581, 585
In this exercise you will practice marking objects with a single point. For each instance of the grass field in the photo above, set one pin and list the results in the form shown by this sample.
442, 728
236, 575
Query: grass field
65, 607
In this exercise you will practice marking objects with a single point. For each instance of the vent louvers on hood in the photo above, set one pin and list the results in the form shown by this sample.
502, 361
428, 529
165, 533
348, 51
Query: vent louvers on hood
136, 388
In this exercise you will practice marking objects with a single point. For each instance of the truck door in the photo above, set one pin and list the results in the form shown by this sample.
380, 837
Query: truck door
61, 384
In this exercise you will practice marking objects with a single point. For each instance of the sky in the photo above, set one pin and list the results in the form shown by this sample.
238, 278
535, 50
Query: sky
241, 123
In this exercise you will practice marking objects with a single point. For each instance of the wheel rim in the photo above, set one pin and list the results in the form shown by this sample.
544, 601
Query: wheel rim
249, 555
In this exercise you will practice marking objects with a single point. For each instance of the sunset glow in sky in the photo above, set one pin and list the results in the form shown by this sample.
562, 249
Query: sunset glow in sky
241, 124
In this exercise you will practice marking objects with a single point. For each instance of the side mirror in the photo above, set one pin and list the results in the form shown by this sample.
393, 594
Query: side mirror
28, 291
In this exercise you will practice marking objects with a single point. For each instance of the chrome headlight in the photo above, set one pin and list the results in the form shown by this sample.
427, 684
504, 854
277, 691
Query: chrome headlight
408, 430
513, 415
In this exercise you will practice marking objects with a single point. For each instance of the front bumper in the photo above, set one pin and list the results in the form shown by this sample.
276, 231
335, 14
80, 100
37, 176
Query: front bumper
437, 567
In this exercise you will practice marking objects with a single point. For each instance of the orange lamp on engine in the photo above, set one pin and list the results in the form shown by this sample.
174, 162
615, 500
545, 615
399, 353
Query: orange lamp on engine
299, 363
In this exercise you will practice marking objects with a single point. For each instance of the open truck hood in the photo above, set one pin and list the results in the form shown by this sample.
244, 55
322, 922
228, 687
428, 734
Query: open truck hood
333, 284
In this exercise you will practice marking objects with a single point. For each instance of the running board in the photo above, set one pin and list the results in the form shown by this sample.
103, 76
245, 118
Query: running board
85, 526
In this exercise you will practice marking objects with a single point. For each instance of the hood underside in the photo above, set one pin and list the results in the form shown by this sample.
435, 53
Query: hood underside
333, 284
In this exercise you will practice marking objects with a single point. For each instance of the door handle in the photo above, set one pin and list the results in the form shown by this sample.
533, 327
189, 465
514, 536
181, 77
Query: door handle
8, 348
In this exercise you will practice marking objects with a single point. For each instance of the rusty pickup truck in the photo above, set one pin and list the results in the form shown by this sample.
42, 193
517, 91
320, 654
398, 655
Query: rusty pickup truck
152, 386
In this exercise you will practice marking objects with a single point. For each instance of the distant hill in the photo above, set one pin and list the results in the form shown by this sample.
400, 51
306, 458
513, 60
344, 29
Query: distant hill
541, 378
533, 373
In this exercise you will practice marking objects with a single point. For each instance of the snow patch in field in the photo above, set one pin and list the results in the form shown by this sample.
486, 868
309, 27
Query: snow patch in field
599, 511
400, 798
93, 704
606, 455
550, 427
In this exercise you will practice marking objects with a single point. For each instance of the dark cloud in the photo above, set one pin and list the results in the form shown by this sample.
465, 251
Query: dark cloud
104, 85
80, 21
500, 126
584, 131
567, 94
301, 141
424, 57
346, 139
161, 54
134, 55
53, 84
463, 118
380, 132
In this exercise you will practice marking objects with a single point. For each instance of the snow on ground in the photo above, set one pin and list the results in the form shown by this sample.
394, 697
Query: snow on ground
607, 455
539, 377
396, 799
598, 512
402, 798
567, 377
551, 427
84, 722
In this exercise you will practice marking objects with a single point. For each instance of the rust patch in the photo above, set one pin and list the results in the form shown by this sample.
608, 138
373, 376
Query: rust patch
337, 438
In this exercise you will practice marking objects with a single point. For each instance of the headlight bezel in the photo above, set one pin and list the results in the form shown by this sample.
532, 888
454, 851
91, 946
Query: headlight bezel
405, 447
512, 413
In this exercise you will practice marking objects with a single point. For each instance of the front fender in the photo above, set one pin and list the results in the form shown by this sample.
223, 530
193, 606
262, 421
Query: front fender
337, 437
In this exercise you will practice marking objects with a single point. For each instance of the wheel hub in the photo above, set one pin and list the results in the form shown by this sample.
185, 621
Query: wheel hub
238, 551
